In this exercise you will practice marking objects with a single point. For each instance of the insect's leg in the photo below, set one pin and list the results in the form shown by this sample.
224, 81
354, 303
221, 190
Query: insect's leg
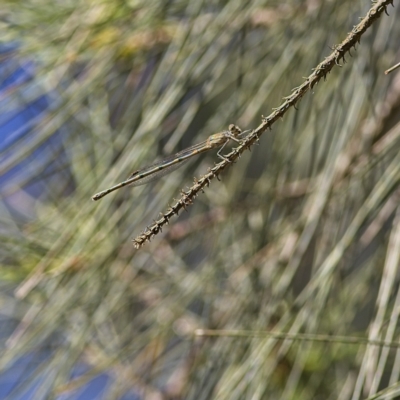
219, 151
236, 139
244, 133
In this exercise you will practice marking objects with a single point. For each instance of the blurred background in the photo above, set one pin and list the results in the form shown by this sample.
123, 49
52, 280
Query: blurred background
301, 235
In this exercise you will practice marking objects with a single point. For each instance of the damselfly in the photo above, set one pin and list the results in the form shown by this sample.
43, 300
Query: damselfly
173, 162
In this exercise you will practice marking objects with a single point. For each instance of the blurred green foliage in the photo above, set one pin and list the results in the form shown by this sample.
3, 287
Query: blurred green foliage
301, 235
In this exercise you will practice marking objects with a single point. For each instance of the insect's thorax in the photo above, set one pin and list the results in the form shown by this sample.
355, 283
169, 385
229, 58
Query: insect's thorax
218, 139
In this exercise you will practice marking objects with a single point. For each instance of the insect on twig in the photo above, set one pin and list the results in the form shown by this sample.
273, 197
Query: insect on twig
169, 164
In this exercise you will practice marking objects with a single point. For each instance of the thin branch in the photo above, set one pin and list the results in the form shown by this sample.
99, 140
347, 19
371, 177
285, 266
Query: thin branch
294, 336
339, 51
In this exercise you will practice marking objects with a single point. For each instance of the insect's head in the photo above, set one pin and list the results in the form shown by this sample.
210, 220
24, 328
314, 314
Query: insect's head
234, 130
